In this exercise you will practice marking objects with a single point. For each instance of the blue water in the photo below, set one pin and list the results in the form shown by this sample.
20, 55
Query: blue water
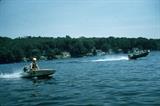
110, 80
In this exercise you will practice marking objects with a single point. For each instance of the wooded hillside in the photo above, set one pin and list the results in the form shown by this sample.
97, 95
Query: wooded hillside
15, 50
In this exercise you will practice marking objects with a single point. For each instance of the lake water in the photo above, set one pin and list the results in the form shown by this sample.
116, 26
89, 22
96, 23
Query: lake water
110, 80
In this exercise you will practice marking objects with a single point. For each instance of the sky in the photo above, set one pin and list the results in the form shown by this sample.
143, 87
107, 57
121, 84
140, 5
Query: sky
76, 18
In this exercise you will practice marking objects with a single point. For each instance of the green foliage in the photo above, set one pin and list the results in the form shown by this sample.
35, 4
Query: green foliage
14, 50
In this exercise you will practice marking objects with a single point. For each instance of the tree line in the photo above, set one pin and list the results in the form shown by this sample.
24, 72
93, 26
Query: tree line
14, 50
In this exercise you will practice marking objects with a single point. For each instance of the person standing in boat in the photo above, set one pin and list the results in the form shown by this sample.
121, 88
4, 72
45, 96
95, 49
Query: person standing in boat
34, 65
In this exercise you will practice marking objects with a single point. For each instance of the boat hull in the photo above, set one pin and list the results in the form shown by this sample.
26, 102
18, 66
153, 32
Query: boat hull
39, 73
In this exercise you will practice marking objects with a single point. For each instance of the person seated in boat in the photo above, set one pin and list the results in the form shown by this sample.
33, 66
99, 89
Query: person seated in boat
34, 65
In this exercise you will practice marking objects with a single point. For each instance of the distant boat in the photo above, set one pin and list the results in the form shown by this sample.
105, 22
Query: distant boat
40, 73
138, 54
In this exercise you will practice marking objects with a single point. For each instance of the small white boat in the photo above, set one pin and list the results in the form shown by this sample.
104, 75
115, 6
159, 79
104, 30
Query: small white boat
40, 73
138, 54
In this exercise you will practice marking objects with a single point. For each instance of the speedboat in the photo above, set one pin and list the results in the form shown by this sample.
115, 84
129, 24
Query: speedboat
40, 73
138, 54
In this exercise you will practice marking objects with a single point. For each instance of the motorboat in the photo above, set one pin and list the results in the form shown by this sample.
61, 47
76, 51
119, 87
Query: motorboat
138, 54
39, 73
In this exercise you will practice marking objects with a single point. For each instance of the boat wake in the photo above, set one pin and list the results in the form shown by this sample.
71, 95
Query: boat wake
113, 58
10, 75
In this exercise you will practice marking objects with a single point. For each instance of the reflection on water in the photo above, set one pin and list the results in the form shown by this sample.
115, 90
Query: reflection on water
40, 80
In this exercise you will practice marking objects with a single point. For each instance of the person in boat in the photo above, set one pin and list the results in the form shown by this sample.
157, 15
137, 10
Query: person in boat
34, 65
